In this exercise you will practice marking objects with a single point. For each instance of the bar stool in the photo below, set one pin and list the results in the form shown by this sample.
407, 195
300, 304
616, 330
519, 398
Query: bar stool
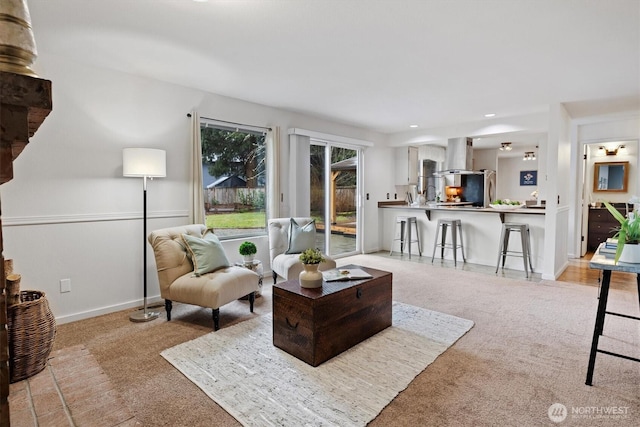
525, 238
456, 229
406, 224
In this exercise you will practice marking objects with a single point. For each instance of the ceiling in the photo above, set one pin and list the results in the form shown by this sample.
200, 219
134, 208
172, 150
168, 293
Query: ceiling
378, 64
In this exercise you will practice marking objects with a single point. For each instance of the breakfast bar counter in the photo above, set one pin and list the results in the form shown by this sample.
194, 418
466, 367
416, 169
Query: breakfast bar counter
481, 228
455, 207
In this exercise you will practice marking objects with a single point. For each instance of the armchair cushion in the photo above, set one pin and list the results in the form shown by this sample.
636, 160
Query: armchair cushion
301, 237
176, 271
207, 254
214, 289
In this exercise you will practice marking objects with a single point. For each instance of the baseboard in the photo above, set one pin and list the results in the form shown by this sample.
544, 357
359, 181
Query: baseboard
107, 310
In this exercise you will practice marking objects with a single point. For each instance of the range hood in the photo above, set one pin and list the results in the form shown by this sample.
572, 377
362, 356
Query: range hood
459, 157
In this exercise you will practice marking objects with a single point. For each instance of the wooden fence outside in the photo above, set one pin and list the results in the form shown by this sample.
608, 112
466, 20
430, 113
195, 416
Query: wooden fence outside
345, 199
228, 198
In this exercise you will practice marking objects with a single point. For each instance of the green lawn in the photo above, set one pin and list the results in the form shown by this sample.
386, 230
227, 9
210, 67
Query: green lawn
237, 220
253, 219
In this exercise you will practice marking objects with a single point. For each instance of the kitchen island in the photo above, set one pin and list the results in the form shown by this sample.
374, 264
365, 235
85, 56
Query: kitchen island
481, 228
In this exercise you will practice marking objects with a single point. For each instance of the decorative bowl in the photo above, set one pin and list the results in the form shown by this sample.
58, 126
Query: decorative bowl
508, 207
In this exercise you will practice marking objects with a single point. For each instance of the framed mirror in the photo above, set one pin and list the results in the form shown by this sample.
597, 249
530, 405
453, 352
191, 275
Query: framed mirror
611, 176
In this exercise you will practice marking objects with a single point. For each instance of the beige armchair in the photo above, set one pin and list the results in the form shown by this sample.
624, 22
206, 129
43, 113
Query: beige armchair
288, 265
178, 281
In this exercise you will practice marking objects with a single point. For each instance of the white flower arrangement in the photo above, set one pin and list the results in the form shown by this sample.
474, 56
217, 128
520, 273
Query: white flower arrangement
534, 194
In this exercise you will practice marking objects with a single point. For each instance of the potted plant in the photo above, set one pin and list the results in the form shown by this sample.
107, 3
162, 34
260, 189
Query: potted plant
248, 251
628, 233
311, 256
310, 277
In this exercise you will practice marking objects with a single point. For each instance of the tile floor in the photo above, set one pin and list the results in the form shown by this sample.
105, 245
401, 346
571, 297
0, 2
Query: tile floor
68, 394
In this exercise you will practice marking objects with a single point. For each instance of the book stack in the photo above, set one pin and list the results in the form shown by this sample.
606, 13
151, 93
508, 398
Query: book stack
609, 247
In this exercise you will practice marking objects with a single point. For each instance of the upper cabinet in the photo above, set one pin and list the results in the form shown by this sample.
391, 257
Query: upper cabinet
407, 166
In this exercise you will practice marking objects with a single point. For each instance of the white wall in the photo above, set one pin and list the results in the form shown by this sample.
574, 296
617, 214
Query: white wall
508, 178
485, 159
69, 213
558, 190
378, 168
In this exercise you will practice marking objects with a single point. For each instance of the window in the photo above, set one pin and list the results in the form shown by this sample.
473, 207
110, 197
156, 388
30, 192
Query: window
234, 180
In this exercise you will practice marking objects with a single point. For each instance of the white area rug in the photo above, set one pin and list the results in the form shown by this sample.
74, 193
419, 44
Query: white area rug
261, 385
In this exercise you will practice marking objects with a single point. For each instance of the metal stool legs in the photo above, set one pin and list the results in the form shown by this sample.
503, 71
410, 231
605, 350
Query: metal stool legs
402, 223
456, 230
525, 239
406, 224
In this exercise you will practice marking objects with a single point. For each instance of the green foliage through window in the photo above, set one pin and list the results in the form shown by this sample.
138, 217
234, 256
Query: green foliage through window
234, 180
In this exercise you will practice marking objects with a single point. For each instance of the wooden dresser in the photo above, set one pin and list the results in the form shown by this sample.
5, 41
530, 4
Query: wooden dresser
601, 225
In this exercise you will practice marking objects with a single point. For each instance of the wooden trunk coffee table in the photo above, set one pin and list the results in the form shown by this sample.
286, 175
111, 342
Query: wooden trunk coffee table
316, 324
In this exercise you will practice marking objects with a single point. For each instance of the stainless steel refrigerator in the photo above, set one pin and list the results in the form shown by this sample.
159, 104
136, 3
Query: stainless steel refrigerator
479, 188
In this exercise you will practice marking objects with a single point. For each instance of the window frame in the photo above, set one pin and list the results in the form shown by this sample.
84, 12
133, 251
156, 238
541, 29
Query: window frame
206, 123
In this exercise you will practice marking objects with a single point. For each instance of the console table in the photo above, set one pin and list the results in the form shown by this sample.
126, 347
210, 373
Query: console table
607, 265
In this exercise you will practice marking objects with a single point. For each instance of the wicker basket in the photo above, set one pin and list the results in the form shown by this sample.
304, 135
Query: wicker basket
32, 329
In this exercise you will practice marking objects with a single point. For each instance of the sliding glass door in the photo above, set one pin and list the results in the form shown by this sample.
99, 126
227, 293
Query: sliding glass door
335, 189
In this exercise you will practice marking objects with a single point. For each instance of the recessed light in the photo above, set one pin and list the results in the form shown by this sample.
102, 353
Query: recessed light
413, 126
490, 115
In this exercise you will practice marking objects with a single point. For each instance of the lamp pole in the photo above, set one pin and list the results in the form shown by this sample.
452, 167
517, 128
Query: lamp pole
144, 315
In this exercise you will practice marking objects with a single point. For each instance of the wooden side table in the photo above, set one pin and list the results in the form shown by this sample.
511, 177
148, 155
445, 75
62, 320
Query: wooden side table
607, 265
256, 267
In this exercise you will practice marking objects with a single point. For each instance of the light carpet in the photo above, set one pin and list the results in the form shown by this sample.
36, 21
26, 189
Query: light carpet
260, 385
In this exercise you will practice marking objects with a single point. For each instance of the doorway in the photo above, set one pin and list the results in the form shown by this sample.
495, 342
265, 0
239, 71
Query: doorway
335, 189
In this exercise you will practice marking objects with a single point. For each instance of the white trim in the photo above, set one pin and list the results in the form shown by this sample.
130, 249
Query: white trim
65, 219
624, 115
108, 309
329, 137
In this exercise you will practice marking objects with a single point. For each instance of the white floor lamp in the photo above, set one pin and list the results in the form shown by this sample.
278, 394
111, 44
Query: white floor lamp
144, 163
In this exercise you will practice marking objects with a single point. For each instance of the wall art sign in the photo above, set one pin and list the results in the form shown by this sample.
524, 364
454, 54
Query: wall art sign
528, 177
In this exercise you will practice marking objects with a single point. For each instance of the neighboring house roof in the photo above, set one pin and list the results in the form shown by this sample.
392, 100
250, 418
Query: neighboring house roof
228, 181
210, 181
345, 165
207, 179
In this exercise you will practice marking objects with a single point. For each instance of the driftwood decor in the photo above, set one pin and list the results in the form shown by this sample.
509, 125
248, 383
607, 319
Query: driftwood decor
25, 102
12, 290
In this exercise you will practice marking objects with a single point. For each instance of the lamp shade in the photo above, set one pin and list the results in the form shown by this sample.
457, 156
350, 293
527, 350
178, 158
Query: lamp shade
141, 162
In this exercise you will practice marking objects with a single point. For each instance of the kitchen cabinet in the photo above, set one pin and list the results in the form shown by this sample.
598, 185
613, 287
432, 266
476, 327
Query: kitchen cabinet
406, 166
